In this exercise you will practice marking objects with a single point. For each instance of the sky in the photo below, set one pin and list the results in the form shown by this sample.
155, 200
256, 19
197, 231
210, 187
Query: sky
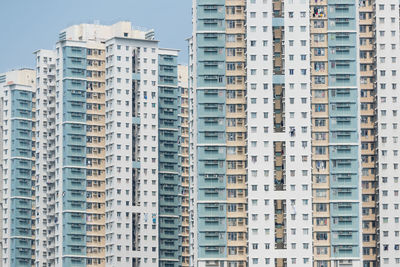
29, 25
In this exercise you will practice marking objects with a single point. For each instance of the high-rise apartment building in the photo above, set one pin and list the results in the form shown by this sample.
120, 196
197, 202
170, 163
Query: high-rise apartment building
17, 154
277, 145
320, 85
183, 124
107, 150
387, 47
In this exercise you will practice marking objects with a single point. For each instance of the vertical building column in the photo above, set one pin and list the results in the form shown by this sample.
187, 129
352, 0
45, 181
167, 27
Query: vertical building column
95, 155
387, 69
344, 128
73, 156
320, 134
236, 131
368, 132
183, 124
168, 180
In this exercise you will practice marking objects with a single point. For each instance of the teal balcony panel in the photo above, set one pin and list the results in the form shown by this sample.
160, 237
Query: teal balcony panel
168, 70
211, 96
344, 181
22, 223
212, 252
22, 213
23, 243
74, 218
74, 116
343, 251
341, 53
210, 12
344, 223
212, 239
337, 137
169, 233
342, 80
75, 73
75, 140
75, 229
341, 40
343, 165
214, 110
169, 245
75, 151
207, 68
76, 63
74, 184
210, 2
74, 173
21, 95
74, 195
21, 203
210, 25
136, 76
74, 129
19, 254
76, 262
166, 146
343, 124
168, 167
211, 153
344, 194
211, 137
341, 24
74, 161
210, 54
212, 124
343, 209
21, 192
342, 67
343, 152
70, 106
74, 205
165, 135
72, 51
278, 79
136, 120
168, 60
343, 95
74, 85
278, 22
203, 183
342, 11
211, 194
168, 157
212, 224
136, 164
211, 40
169, 200
341, 2
170, 102
211, 81
212, 209
75, 96
21, 113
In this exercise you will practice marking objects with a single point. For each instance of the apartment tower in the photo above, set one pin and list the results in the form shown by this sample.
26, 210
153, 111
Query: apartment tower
17, 167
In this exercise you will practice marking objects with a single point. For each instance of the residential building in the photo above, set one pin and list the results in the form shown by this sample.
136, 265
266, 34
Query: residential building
107, 128
17, 105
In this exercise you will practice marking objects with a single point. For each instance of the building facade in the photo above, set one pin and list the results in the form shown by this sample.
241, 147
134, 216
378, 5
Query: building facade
105, 95
320, 81
18, 167
276, 146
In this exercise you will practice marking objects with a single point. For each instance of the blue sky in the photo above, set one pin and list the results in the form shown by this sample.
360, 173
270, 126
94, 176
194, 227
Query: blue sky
29, 25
